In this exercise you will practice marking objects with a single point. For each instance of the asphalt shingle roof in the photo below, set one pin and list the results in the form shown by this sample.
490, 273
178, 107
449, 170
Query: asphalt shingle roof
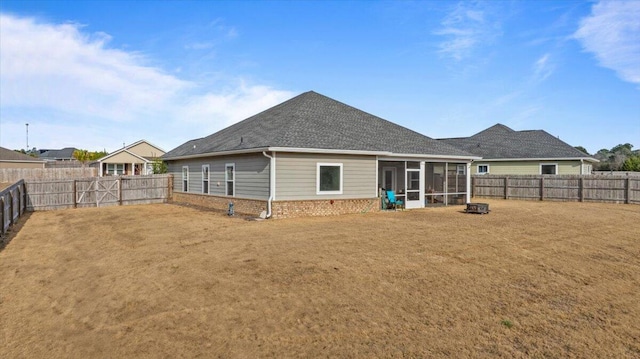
65, 154
314, 121
10, 155
501, 142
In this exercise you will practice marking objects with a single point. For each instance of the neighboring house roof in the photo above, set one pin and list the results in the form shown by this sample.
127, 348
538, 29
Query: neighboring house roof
7, 155
500, 142
146, 149
311, 121
63, 154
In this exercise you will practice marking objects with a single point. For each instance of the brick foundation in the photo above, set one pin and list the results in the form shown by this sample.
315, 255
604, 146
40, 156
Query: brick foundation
249, 207
325, 207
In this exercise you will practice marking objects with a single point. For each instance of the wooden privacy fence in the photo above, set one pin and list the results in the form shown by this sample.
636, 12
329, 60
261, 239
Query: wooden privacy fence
584, 188
13, 205
42, 174
98, 192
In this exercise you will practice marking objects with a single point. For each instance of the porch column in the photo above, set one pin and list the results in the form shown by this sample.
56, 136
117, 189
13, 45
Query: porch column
100, 170
468, 182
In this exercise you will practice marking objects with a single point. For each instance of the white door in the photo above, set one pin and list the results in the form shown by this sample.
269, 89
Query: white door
389, 178
414, 195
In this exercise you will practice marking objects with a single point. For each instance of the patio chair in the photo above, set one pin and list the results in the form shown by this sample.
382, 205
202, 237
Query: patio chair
393, 202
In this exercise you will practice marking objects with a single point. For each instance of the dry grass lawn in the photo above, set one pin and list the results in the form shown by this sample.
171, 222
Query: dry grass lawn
530, 279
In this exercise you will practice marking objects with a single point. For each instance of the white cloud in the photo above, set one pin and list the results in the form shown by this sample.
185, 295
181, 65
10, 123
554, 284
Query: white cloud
612, 34
543, 68
57, 76
465, 28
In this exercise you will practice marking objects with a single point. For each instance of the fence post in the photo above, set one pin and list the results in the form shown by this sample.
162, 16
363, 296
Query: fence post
75, 194
10, 208
170, 191
506, 187
627, 187
473, 188
1, 215
581, 189
119, 183
542, 188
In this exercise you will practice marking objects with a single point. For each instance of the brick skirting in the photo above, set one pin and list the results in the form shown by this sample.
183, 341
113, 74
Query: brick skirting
250, 207
324, 207
281, 209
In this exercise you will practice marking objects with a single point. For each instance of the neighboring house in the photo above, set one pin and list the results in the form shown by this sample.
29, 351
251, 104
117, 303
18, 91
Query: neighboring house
313, 155
134, 159
532, 152
65, 154
13, 159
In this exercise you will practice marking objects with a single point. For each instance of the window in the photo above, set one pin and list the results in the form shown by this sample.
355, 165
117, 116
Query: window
115, 169
461, 169
329, 178
483, 169
548, 168
185, 178
230, 179
205, 178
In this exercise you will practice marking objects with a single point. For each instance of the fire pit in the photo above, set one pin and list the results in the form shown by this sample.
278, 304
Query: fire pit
481, 208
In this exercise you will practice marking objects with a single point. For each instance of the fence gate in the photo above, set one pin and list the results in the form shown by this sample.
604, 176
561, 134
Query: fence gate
107, 191
98, 191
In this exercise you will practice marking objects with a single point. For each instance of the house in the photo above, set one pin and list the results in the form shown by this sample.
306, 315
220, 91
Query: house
65, 154
134, 159
13, 159
312, 155
531, 152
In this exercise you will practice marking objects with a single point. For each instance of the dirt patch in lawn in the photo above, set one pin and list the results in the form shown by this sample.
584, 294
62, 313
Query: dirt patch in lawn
530, 279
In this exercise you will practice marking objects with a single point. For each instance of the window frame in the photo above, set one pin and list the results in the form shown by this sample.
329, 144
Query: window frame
482, 165
326, 164
549, 164
185, 179
459, 171
226, 179
205, 188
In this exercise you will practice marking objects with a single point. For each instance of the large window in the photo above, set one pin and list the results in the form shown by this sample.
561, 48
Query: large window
548, 168
205, 179
329, 178
230, 179
115, 169
185, 178
483, 169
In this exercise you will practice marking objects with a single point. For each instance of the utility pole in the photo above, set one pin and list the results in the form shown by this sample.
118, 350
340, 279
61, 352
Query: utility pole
27, 137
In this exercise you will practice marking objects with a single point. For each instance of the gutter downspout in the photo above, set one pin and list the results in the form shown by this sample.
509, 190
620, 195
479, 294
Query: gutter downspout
272, 180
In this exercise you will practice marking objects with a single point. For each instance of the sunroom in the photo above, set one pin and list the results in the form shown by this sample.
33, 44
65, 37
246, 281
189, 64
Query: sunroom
421, 184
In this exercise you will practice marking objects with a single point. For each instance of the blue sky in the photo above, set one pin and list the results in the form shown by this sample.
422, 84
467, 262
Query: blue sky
97, 74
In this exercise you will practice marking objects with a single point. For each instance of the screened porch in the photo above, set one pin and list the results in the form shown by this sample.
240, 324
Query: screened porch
422, 184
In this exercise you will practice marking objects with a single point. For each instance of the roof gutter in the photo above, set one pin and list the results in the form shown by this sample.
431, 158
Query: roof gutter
319, 150
272, 180
589, 159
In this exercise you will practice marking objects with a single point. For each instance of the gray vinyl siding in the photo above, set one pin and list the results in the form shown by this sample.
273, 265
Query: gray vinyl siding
296, 176
252, 175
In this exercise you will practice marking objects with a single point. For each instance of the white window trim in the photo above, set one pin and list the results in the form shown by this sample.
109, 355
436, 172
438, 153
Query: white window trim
226, 179
482, 173
549, 164
208, 179
185, 179
464, 169
318, 165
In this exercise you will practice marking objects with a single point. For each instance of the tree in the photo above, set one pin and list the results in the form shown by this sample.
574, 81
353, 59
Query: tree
582, 149
616, 158
632, 164
159, 166
82, 156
